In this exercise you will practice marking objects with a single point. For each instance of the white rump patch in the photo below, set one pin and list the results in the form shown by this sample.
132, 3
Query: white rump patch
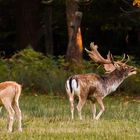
75, 86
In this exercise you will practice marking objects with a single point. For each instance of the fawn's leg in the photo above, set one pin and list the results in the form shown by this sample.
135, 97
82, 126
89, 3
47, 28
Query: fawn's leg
18, 114
8, 105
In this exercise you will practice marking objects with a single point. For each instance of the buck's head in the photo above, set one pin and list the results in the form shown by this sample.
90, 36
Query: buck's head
109, 64
125, 69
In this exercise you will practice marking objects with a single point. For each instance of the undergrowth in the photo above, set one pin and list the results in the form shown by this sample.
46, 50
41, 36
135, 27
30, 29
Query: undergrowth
47, 74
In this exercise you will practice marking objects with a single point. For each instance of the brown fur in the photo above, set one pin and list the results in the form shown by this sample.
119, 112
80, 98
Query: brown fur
94, 87
9, 96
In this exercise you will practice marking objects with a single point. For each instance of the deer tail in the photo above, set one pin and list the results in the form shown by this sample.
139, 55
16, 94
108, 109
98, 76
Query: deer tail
72, 84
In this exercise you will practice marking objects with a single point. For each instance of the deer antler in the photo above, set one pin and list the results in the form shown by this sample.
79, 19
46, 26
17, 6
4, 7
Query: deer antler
96, 56
122, 61
109, 64
128, 59
123, 58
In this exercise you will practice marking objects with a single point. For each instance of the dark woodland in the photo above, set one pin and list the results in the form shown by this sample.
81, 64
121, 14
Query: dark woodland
59, 56
48, 26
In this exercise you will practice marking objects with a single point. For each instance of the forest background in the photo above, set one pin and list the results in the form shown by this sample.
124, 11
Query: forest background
42, 42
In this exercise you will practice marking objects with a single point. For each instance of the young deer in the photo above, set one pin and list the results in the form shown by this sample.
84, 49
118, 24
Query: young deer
9, 97
95, 87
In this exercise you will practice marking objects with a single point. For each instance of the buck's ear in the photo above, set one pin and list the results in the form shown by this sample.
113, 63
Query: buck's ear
110, 57
109, 67
118, 66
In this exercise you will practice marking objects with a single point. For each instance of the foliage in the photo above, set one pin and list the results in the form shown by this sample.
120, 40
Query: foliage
47, 117
136, 2
47, 74
36, 72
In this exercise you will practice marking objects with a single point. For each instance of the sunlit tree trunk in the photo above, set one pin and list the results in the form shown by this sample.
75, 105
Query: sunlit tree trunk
75, 47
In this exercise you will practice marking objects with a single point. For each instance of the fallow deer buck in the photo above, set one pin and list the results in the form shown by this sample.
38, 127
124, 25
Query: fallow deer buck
9, 97
95, 87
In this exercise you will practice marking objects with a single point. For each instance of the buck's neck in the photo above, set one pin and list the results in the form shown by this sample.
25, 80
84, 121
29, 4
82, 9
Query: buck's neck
113, 80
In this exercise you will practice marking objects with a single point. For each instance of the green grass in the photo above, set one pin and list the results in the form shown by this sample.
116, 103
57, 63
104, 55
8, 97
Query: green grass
48, 118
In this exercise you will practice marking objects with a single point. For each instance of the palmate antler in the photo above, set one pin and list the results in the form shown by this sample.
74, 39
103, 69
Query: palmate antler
96, 56
108, 63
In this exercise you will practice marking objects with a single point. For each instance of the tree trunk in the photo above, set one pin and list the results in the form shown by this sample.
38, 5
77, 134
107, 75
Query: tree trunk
75, 47
48, 27
29, 31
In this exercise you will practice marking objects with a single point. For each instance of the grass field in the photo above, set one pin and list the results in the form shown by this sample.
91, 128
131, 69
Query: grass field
48, 118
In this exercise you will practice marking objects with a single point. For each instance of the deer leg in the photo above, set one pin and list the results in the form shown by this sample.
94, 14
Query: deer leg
0, 108
99, 100
80, 106
93, 107
18, 115
7, 104
71, 99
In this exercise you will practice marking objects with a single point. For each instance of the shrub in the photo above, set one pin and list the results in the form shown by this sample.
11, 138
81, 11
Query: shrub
47, 74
